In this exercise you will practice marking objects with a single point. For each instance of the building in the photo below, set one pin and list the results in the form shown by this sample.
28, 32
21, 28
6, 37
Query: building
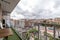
18, 23
57, 20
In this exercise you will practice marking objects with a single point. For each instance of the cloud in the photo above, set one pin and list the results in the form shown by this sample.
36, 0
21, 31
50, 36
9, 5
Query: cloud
16, 15
37, 9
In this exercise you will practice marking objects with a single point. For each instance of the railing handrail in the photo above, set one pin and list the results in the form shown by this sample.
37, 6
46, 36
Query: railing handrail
17, 33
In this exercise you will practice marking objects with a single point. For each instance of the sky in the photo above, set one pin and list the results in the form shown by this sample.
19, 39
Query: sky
36, 9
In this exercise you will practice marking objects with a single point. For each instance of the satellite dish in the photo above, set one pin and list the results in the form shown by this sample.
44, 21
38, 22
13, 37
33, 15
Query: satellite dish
8, 5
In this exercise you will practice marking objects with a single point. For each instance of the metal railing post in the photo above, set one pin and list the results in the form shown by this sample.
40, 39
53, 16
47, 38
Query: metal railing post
54, 33
45, 33
38, 32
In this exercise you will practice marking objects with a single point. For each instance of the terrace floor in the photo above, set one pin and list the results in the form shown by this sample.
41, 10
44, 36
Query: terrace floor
13, 37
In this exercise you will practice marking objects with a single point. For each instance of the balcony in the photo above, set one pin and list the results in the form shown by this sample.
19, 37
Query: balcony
15, 36
36, 33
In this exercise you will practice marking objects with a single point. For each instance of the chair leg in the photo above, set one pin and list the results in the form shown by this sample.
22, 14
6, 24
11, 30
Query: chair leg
6, 38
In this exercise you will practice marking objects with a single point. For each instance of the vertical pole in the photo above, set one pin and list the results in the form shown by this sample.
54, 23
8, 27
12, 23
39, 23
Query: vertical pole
38, 32
54, 33
45, 33
58, 34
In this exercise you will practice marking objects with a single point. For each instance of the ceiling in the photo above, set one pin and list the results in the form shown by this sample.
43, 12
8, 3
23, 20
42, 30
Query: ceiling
8, 5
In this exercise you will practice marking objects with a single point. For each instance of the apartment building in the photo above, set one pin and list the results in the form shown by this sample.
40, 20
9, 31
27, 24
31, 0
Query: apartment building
57, 20
18, 23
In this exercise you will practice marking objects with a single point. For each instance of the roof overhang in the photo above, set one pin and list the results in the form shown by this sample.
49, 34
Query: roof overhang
8, 5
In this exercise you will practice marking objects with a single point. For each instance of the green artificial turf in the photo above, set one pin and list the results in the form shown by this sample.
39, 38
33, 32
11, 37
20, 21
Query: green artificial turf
13, 37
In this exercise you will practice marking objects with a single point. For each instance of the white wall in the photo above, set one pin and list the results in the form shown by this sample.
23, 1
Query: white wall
21, 23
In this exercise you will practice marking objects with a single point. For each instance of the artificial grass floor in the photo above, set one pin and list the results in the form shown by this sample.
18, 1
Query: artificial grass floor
13, 37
